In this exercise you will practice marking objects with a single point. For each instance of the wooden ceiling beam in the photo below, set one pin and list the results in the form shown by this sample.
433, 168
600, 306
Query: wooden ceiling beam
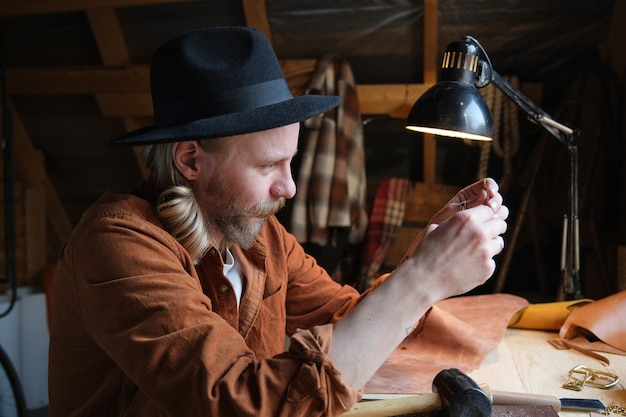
114, 53
256, 16
391, 99
23, 81
373, 99
126, 92
109, 37
125, 105
21, 7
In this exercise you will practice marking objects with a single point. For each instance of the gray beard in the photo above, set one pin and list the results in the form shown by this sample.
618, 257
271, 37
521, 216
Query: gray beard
229, 218
243, 233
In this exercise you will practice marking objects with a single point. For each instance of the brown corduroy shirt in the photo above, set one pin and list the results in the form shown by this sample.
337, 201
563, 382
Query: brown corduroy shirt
138, 330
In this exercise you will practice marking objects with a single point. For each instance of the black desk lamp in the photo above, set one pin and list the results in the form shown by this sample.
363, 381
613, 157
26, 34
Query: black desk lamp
454, 107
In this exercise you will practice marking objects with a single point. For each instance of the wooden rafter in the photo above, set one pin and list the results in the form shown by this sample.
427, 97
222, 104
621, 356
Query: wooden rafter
114, 53
24, 81
256, 16
122, 87
17, 8
127, 90
109, 37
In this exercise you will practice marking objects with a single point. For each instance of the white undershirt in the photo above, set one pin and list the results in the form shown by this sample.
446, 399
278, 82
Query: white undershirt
232, 271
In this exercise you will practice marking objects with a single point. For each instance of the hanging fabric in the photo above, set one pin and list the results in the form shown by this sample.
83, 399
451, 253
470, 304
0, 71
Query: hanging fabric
330, 205
386, 218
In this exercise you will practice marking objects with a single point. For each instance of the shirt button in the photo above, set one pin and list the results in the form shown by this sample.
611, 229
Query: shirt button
212, 252
223, 288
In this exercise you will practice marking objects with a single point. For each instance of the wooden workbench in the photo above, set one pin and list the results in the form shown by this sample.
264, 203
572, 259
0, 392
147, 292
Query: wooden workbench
525, 361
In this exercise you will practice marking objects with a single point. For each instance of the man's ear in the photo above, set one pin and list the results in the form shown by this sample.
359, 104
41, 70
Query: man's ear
185, 156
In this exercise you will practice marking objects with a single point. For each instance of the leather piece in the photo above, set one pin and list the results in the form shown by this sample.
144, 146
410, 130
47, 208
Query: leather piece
563, 345
545, 316
585, 325
456, 333
605, 319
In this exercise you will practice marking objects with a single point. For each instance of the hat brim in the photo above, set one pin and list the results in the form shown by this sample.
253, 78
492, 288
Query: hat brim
295, 110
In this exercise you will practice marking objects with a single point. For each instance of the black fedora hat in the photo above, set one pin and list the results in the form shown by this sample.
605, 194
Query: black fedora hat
217, 82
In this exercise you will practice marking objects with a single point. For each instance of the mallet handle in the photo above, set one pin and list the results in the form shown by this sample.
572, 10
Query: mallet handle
395, 406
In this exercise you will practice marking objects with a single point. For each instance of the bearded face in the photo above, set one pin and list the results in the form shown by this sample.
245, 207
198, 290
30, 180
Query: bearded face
228, 215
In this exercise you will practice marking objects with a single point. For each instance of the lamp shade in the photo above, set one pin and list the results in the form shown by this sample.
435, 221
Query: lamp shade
454, 106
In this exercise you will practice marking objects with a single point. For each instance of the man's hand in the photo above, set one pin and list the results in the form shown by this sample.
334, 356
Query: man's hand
483, 192
461, 240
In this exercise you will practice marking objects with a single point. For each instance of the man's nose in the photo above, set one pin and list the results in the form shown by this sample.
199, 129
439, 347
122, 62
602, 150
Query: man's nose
285, 187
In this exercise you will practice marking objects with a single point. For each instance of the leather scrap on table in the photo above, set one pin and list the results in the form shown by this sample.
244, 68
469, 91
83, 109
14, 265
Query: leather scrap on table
586, 326
457, 332
545, 316
605, 319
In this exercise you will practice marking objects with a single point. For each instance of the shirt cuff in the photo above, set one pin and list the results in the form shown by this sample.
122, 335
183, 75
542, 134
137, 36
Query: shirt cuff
318, 376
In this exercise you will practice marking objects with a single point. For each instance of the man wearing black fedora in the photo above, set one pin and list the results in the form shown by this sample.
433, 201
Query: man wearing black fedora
174, 299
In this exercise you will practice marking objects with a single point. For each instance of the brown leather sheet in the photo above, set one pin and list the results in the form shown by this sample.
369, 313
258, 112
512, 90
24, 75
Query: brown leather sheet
457, 333
604, 319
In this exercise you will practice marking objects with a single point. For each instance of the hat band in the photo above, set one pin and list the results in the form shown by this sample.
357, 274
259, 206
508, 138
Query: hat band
239, 99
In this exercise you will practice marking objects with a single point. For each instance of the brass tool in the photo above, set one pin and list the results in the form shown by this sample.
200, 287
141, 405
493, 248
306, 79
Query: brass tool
581, 376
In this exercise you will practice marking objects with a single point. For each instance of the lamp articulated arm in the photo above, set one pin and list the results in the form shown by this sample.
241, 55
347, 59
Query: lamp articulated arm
535, 113
570, 247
